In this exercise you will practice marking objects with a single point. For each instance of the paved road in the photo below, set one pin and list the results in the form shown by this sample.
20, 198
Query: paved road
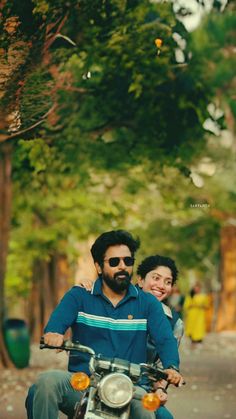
210, 372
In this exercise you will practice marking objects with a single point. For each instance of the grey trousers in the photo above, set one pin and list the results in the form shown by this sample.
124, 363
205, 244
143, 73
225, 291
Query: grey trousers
53, 392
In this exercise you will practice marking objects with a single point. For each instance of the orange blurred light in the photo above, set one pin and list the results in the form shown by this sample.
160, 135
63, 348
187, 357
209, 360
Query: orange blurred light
80, 381
158, 42
151, 401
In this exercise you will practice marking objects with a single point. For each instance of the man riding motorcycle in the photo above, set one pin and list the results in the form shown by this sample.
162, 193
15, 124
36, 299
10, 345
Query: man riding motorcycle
114, 319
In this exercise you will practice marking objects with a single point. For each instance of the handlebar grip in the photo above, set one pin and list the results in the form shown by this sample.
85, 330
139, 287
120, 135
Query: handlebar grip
46, 346
154, 373
67, 346
162, 375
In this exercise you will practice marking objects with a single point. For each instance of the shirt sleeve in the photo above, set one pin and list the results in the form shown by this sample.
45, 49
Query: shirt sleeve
161, 333
65, 313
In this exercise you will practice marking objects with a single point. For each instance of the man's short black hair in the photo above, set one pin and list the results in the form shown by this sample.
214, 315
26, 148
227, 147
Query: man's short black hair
113, 238
152, 262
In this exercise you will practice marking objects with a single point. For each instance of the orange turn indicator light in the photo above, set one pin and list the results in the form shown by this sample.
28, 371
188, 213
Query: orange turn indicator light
80, 381
151, 401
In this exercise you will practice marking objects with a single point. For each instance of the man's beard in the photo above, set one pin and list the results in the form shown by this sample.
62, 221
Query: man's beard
117, 284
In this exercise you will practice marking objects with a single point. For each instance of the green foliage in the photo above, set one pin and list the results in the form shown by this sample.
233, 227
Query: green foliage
36, 96
127, 131
52, 9
192, 244
41, 7
213, 47
132, 82
118, 83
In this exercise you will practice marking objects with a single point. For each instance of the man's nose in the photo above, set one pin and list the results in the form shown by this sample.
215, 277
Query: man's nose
121, 265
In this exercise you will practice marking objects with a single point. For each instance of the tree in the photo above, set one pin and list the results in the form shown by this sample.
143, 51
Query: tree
213, 44
18, 25
90, 81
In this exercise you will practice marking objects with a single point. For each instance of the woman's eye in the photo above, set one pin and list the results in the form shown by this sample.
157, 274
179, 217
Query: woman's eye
168, 283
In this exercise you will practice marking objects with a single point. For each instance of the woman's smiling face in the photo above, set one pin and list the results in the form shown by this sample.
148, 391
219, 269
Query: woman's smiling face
158, 282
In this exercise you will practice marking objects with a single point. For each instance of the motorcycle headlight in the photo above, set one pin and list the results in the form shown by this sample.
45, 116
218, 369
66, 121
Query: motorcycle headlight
115, 390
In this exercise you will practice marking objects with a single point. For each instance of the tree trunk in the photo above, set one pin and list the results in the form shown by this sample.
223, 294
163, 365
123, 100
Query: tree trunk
21, 35
5, 216
226, 319
50, 282
13, 57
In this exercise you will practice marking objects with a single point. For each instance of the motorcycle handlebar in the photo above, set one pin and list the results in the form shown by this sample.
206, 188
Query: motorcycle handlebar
154, 372
67, 346
150, 371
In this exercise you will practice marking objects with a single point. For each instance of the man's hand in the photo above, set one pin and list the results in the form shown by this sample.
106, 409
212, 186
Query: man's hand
53, 339
174, 377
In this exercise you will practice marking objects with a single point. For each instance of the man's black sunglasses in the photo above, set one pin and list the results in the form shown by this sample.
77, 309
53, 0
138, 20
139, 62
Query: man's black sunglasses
113, 262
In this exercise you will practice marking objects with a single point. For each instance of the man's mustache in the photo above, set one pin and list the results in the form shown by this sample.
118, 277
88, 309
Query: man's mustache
126, 274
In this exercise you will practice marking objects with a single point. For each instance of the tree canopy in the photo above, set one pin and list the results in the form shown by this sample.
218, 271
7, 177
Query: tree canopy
107, 128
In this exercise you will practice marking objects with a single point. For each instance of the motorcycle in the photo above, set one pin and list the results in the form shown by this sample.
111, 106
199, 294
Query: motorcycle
108, 392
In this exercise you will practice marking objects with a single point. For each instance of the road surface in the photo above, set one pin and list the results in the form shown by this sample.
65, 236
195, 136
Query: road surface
209, 370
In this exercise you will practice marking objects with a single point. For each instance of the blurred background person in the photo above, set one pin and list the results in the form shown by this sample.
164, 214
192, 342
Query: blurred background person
195, 306
176, 300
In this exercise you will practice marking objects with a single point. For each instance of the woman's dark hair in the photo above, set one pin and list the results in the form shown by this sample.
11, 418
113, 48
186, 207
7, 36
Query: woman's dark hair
113, 238
192, 292
152, 262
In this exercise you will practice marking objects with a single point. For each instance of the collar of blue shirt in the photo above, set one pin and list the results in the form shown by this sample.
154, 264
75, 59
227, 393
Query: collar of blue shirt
97, 290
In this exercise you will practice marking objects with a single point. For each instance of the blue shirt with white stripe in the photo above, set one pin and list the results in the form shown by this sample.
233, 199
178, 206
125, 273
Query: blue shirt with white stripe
119, 331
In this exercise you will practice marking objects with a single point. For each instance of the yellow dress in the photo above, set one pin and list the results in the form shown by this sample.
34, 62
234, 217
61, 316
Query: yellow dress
195, 316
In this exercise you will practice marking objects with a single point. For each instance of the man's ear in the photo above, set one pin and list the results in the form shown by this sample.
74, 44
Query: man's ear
140, 282
98, 268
